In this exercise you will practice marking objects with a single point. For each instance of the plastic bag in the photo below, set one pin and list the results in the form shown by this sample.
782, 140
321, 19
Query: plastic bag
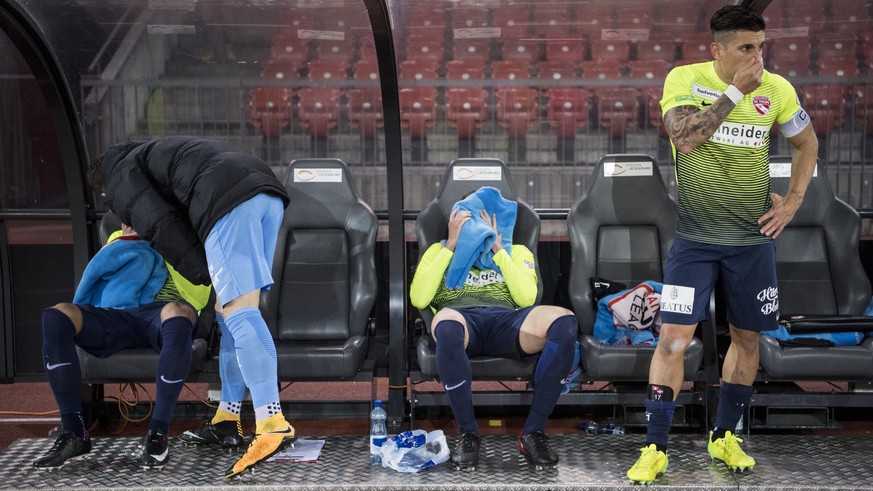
412, 451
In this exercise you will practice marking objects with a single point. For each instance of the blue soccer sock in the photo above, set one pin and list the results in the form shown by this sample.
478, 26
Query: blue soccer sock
233, 386
256, 354
453, 366
553, 365
62, 368
659, 415
733, 399
173, 365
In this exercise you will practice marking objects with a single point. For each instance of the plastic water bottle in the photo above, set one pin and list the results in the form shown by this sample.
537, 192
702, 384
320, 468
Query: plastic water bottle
378, 431
595, 428
738, 431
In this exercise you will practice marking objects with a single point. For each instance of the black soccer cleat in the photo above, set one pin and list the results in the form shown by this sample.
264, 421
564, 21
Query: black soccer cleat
465, 455
155, 451
536, 450
227, 434
67, 447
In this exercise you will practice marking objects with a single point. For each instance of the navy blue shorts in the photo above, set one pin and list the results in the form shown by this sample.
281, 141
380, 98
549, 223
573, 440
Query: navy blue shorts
107, 331
747, 274
494, 331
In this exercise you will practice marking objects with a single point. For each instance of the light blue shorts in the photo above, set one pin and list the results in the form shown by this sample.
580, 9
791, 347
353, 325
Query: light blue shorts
241, 246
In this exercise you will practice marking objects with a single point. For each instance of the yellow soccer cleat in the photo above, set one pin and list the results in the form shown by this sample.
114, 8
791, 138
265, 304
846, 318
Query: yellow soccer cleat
263, 446
728, 450
651, 464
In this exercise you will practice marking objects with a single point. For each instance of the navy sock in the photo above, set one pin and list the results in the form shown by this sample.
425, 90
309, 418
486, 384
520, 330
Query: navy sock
62, 368
453, 366
732, 402
659, 415
553, 365
173, 365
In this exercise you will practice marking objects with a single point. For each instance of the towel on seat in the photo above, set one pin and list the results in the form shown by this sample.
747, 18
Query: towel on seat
630, 317
477, 237
123, 274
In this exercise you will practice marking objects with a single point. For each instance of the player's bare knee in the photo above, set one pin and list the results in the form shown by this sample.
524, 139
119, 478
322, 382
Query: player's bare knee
673, 342
72, 312
178, 309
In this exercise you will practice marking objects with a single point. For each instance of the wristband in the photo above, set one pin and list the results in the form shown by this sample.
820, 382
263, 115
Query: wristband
734, 94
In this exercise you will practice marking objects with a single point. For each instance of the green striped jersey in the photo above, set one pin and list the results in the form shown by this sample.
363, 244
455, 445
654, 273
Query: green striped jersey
168, 292
724, 184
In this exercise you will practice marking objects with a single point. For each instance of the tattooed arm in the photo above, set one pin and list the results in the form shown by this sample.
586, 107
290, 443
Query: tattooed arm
690, 127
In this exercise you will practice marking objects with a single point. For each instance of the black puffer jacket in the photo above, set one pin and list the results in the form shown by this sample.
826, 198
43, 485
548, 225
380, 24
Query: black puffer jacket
173, 190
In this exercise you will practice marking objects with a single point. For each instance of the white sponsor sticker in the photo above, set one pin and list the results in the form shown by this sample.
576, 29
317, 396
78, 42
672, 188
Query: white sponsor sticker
677, 299
477, 32
627, 169
171, 29
318, 175
327, 35
741, 135
624, 34
705, 92
471, 173
783, 169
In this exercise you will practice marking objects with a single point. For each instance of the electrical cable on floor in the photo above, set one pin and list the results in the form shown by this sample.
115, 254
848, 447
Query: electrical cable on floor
29, 413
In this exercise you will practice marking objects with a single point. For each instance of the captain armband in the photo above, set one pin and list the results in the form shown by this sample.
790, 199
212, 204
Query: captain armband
795, 125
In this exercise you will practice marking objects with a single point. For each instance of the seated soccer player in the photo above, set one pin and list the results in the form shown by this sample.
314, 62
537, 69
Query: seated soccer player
482, 289
128, 298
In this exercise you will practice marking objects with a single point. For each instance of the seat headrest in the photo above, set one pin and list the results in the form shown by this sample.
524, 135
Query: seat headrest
321, 191
620, 182
819, 195
464, 176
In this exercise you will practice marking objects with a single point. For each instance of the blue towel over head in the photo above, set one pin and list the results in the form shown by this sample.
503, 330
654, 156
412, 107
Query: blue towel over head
477, 237
123, 274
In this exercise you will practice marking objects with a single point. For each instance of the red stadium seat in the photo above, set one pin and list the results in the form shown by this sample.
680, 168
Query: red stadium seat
789, 50
469, 17
610, 50
656, 50
422, 69
601, 70
423, 48
418, 109
552, 23
318, 110
466, 110
838, 68
321, 70
513, 21
516, 109
555, 70
825, 104
634, 16
366, 70
335, 50
289, 49
566, 51
422, 16
567, 109
365, 110
510, 70
837, 47
521, 50
696, 50
617, 109
270, 109
277, 70
475, 49
648, 69
790, 69
465, 70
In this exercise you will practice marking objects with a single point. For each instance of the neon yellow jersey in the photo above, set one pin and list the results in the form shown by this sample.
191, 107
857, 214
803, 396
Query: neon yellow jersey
514, 286
724, 184
177, 287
